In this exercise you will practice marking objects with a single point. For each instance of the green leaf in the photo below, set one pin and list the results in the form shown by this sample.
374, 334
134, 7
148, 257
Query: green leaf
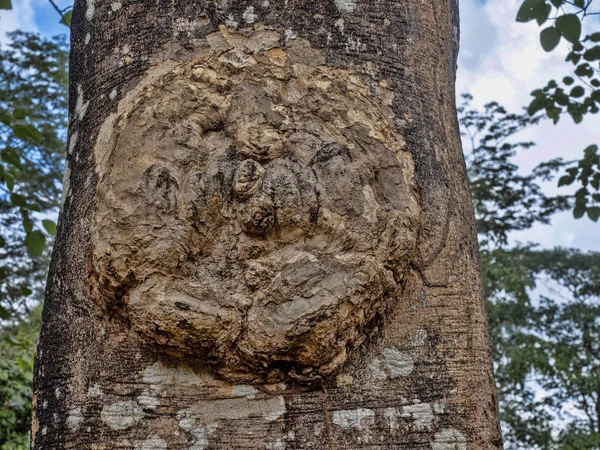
35, 242
5, 118
594, 213
590, 151
595, 37
10, 182
568, 81
579, 211
19, 113
579, 3
592, 54
5, 4
549, 38
2, 242
584, 69
565, 181
543, 16
27, 132
570, 27
66, 18
4, 314
577, 92
537, 104
18, 200
11, 156
49, 226
531, 9
556, 3
26, 291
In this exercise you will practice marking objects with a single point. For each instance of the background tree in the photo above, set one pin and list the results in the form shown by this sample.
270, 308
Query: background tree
578, 93
33, 96
545, 345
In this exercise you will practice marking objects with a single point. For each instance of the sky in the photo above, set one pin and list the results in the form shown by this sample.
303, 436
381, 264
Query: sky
499, 60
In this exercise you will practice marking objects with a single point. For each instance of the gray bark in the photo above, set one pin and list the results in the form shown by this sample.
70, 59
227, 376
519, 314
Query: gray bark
267, 239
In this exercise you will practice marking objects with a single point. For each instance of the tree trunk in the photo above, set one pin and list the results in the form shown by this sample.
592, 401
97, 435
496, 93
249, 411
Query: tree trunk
267, 239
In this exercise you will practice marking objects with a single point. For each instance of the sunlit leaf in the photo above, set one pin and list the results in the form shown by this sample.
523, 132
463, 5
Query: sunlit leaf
35, 242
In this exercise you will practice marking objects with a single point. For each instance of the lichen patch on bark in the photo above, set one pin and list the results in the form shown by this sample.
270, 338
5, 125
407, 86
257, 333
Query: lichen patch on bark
256, 209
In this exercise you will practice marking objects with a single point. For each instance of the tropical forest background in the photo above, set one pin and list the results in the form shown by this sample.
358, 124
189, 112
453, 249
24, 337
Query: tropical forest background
531, 131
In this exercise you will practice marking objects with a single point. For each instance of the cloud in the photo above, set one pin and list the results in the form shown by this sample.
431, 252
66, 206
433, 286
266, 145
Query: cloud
21, 17
502, 60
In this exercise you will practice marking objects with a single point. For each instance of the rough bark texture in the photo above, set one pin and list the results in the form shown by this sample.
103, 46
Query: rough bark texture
267, 239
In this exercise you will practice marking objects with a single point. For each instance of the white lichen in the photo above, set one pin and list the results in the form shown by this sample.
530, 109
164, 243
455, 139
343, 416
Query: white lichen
439, 406
91, 9
94, 391
449, 439
73, 141
346, 6
249, 15
391, 417
396, 363
75, 418
231, 22
121, 415
88, 36
116, 6
81, 106
420, 413
361, 418
113, 94
148, 399
201, 433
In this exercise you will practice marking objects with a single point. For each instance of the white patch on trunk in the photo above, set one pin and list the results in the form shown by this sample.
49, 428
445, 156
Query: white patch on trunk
91, 9
94, 391
148, 399
73, 141
420, 414
391, 417
116, 6
121, 415
346, 6
396, 363
74, 418
361, 418
81, 106
249, 16
449, 439
187, 422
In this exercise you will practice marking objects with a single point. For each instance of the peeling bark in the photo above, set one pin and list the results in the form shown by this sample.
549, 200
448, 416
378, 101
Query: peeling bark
266, 239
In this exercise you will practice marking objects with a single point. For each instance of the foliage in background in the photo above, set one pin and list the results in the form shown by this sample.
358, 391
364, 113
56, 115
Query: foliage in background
33, 121
17, 346
578, 93
546, 347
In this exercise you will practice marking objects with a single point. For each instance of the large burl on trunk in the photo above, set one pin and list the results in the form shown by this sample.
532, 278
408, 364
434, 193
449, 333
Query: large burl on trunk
267, 239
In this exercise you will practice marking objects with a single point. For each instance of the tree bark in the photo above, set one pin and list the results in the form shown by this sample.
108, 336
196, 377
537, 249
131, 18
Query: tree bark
325, 127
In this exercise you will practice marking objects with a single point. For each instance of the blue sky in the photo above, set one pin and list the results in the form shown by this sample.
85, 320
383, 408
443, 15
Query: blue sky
499, 60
